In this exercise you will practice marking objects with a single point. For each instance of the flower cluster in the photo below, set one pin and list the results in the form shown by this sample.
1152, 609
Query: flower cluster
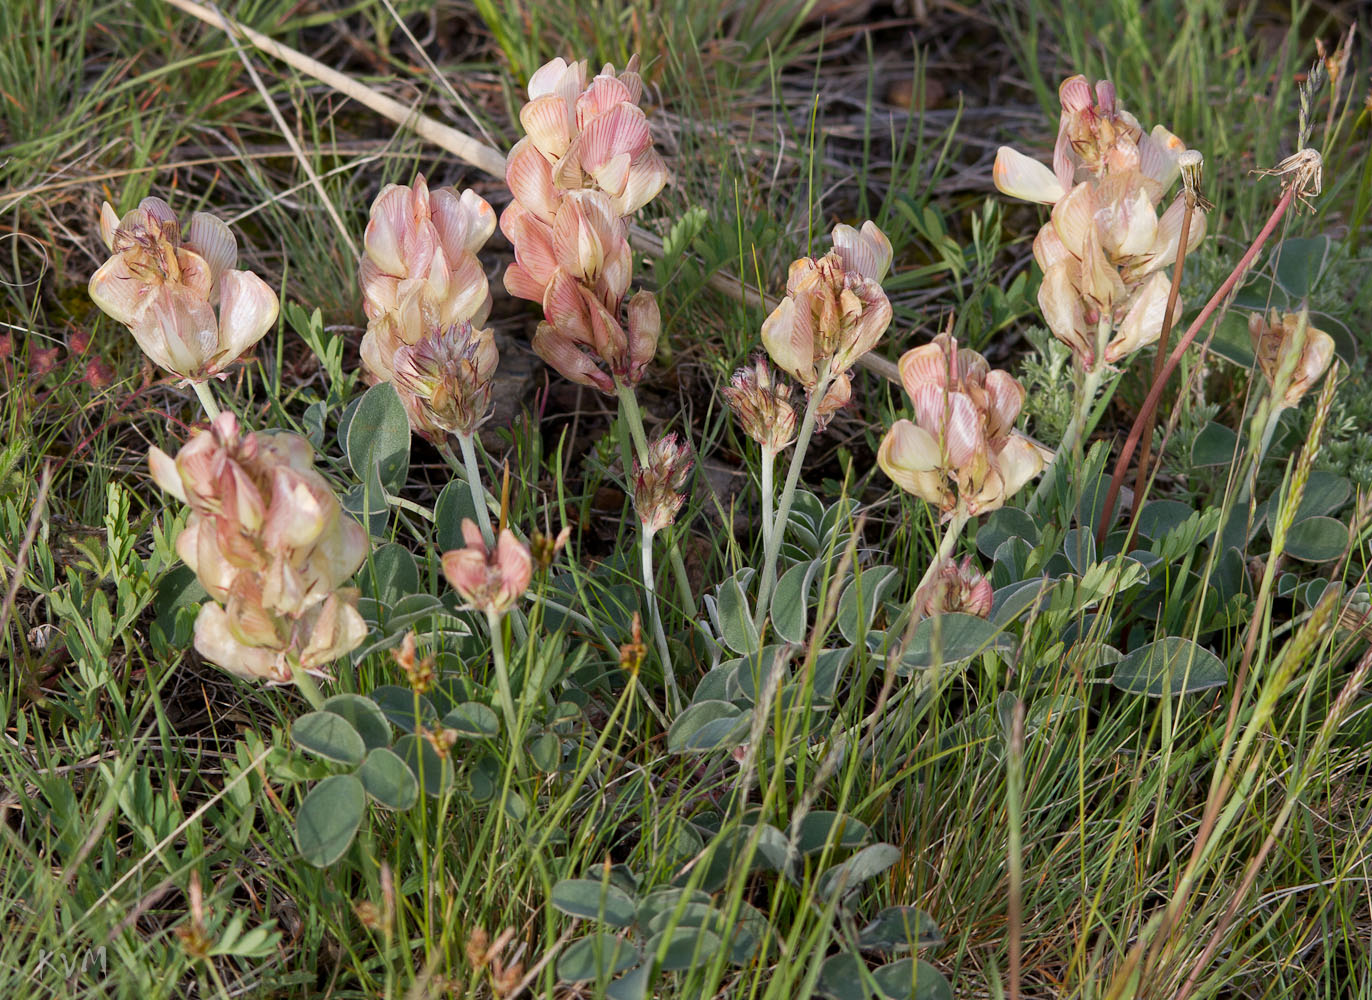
954, 588
658, 484
834, 312
585, 164
165, 288
1275, 340
762, 405
426, 297
489, 579
270, 544
1103, 250
961, 451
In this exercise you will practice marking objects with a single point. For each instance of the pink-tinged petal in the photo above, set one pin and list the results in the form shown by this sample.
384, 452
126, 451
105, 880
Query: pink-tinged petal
1021, 177
563, 355
530, 179
522, 284
867, 252
647, 176
216, 643
1075, 93
164, 473
548, 124
645, 327
1098, 281
565, 306
924, 365
1018, 463
609, 339
214, 241
178, 331
1005, 398
515, 565
1143, 322
391, 236
1049, 249
472, 537
577, 244
557, 76
604, 94
247, 310
955, 415
1064, 313
160, 213
1074, 217
463, 222
302, 506
1064, 157
118, 292
790, 343
109, 222
1158, 155
1105, 96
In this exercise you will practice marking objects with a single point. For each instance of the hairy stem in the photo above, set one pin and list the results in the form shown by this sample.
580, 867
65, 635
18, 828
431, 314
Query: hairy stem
502, 686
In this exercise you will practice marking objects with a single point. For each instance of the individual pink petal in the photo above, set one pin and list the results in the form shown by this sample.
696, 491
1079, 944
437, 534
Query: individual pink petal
563, 355
1142, 324
530, 179
645, 327
109, 222
647, 176
548, 123
867, 252
118, 292
214, 241
1074, 217
463, 222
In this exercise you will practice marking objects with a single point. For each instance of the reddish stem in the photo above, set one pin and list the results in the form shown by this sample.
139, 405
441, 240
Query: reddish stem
1150, 404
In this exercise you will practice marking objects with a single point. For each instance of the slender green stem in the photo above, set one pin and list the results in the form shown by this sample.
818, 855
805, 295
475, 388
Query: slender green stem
410, 505
473, 475
769, 458
946, 545
633, 416
659, 636
788, 493
683, 581
206, 397
306, 684
502, 686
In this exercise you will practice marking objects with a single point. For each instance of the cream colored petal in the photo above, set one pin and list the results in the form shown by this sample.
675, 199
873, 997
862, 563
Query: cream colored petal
1017, 463
1158, 155
216, 643
645, 328
1143, 322
790, 343
1064, 313
1022, 177
924, 365
647, 176
1074, 217
119, 294
109, 222
909, 455
164, 473
547, 122
247, 310
463, 222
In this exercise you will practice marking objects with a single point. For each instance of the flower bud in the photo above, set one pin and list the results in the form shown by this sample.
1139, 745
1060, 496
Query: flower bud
762, 405
658, 485
954, 588
445, 380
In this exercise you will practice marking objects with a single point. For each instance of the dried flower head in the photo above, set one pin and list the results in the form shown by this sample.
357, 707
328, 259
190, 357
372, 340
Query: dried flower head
954, 588
444, 380
834, 310
489, 580
961, 451
183, 300
1282, 351
270, 544
658, 484
762, 405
